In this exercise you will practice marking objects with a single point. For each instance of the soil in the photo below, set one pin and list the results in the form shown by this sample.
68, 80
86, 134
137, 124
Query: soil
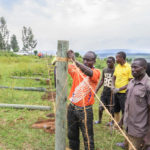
50, 96
51, 115
47, 125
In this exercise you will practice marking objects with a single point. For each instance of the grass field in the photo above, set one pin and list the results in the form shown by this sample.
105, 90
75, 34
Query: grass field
16, 132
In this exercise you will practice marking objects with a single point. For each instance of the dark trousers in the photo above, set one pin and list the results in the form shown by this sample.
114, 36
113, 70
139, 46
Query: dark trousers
137, 142
108, 101
119, 102
76, 120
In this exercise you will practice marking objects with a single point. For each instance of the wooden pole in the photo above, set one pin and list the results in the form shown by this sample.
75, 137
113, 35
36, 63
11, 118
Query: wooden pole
61, 96
40, 89
33, 78
21, 106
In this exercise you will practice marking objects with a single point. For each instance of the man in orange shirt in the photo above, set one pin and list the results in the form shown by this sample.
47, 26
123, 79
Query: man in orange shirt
40, 55
80, 113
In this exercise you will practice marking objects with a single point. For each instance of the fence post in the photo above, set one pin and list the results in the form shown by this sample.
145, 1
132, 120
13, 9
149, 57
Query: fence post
61, 96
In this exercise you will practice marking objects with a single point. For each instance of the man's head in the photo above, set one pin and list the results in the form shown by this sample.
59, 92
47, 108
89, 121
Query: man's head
139, 66
110, 62
89, 59
121, 57
148, 69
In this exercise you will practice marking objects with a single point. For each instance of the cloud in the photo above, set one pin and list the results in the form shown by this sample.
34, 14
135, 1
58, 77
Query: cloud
88, 25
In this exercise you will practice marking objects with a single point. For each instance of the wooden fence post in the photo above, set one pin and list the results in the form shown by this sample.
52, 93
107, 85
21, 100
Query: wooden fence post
61, 96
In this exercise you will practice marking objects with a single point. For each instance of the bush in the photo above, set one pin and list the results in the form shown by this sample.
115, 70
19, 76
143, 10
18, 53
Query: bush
17, 59
100, 64
7, 53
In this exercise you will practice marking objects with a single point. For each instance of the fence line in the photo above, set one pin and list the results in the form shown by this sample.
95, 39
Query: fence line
20, 106
40, 89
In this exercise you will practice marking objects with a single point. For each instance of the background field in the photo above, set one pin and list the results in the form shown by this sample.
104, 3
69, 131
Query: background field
16, 132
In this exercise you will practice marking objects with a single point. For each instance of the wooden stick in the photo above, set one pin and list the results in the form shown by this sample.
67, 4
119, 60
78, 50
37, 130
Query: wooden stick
20, 106
61, 75
33, 78
40, 89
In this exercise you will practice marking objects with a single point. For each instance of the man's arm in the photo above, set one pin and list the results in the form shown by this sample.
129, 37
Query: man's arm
113, 81
86, 70
100, 83
116, 90
124, 87
147, 137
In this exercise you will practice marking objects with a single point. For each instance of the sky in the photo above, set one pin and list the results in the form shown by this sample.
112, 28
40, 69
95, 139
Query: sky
86, 24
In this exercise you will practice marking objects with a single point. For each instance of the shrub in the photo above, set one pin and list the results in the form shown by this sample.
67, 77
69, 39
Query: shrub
7, 53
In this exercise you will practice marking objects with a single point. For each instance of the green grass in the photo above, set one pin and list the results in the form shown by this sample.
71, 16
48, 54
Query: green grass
16, 132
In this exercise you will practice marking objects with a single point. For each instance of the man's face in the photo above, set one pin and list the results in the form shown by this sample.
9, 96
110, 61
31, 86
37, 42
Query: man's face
110, 63
137, 69
119, 59
88, 59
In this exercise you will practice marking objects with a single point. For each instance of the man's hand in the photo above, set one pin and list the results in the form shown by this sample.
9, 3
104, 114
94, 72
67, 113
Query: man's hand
147, 141
114, 90
71, 55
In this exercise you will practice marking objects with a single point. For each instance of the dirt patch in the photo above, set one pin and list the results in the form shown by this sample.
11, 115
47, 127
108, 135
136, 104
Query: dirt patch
3, 121
2, 146
47, 81
50, 96
51, 115
47, 125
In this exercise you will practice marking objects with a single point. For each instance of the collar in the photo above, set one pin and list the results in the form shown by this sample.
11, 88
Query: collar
125, 64
142, 81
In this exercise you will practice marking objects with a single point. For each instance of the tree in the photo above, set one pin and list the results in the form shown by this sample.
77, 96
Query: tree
4, 35
1, 42
35, 52
77, 54
14, 43
29, 43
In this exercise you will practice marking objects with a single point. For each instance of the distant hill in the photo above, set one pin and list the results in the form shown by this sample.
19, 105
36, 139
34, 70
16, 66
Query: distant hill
114, 51
130, 53
118, 50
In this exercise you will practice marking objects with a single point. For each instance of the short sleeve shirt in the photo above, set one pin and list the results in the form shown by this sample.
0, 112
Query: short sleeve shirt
137, 107
81, 94
123, 74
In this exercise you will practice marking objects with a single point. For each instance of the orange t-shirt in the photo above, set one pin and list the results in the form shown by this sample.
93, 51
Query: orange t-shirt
80, 93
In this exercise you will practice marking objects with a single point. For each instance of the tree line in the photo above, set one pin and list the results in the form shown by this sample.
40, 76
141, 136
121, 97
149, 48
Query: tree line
8, 42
